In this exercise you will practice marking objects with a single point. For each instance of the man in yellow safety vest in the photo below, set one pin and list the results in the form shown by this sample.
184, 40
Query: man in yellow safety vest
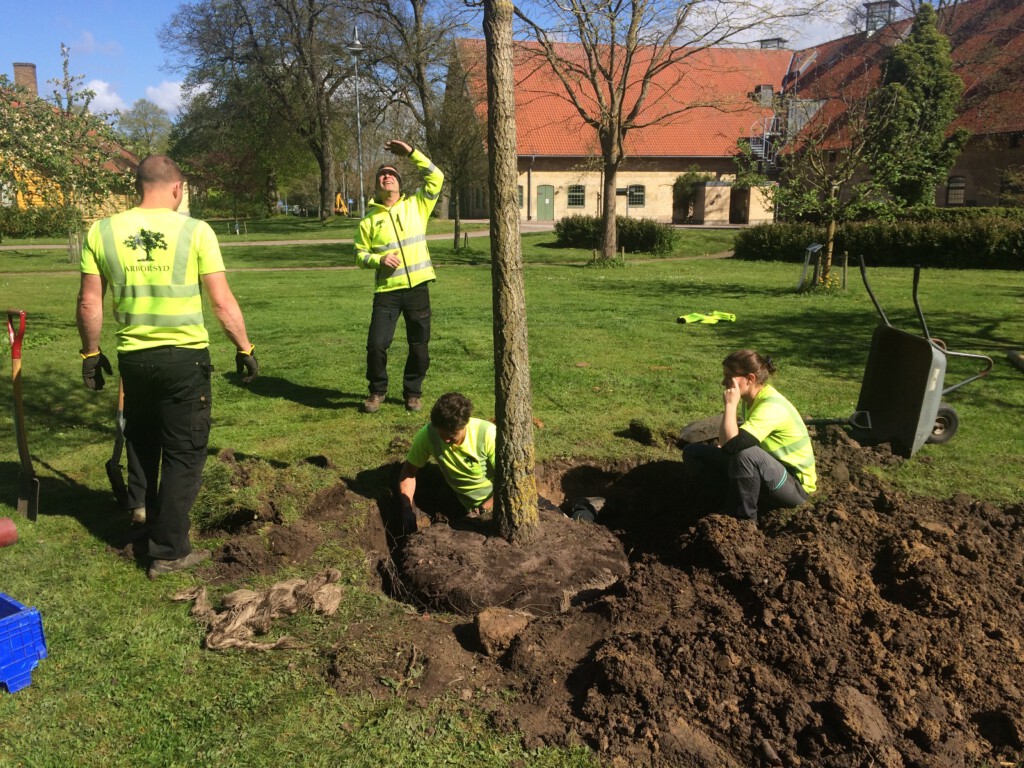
158, 263
392, 240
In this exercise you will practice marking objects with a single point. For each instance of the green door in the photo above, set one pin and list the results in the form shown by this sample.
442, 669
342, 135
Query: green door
545, 203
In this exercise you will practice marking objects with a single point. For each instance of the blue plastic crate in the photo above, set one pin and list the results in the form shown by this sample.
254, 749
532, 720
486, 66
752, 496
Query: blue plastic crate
22, 644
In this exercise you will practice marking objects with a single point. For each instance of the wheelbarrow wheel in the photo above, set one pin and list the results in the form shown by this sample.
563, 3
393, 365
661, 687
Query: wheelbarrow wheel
946, 424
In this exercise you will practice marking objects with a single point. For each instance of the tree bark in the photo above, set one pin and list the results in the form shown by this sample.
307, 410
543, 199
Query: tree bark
515, 505
609, 203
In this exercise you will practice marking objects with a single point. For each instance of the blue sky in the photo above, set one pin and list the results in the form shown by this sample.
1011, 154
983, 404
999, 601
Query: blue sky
113, 44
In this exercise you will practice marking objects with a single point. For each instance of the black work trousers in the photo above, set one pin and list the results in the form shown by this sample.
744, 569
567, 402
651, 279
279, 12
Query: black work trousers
750, 480
414, 305
167, 400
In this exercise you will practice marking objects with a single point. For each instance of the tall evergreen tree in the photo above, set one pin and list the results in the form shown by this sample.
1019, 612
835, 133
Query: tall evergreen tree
910, 146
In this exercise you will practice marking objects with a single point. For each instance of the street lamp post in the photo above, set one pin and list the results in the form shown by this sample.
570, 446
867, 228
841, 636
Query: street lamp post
355, 49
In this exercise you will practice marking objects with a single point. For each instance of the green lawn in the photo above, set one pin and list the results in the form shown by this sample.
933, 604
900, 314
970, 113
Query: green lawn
282, 227
127, 683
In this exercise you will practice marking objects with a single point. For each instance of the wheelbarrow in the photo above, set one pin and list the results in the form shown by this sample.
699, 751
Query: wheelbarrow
901, 393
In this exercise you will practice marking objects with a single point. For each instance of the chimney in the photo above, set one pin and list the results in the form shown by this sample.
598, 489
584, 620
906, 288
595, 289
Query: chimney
878, 15
763, 95
25, 76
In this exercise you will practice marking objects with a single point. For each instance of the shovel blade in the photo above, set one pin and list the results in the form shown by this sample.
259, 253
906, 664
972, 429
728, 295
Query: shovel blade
117, 483
700, 431
28, 498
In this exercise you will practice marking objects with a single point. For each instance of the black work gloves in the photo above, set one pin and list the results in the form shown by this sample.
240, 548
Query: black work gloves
246, 361
93, 366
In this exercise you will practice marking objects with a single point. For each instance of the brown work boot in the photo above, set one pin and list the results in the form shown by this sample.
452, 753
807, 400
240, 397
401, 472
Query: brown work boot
372, 404
162, 567
413, 404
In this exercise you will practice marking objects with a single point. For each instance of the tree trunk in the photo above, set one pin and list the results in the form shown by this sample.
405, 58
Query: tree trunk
325, 158
608, 203
270, 194
515, 505
830, 244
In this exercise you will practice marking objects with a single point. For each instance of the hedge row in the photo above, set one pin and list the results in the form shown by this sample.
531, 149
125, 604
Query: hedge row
34, 222
634, 235
965, 242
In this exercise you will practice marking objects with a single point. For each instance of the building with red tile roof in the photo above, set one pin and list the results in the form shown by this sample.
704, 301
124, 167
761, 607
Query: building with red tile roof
694, 115
987, 47
697, 111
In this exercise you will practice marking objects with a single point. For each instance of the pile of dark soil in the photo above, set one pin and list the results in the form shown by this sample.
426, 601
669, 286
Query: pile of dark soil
866, 629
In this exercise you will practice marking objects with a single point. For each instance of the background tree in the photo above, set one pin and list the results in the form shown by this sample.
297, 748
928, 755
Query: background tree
515, 506
231, 139
1011, 193
295, 49
623, 47
911, 148
414, 68
459, 145
57, 153
684, 193
145, 128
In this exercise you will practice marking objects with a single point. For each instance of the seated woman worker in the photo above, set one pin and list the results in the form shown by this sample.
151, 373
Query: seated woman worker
763, 457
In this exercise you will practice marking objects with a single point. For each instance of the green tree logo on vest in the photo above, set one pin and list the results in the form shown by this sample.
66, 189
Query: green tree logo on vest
148, 241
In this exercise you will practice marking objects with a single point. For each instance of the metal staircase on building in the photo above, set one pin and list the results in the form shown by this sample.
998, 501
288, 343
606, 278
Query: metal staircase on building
764, 139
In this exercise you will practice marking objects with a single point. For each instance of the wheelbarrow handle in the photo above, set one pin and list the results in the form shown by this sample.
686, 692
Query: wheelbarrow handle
871, 294
920, 312
15, 336
858, 420
980, 375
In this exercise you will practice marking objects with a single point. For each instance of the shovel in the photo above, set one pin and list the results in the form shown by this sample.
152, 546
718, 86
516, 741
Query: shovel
114, 462
28, 494
706, 430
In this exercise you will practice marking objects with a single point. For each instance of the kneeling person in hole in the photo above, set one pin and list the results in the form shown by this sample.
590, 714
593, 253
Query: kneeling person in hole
463, 447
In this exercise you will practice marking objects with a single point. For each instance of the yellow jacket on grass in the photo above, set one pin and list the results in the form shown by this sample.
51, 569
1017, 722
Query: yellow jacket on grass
401, 229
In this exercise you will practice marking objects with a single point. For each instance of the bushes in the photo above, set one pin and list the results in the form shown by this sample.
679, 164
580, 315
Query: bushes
579, 232
960, 241
634, 235
37, 222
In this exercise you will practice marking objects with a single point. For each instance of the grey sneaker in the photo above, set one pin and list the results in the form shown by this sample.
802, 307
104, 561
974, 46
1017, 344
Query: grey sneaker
372, 404
413, 404
161, 567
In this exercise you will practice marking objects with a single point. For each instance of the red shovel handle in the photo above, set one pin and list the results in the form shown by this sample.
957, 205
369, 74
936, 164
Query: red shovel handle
15, 336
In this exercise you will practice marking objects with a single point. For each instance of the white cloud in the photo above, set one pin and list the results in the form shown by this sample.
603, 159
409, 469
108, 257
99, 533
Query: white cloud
166, 95
106, 99
87, 44
815, 32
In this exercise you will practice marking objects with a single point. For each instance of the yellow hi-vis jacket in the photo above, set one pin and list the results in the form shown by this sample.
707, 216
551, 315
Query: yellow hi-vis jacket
153, 259
402, 229
468, 467
776, 425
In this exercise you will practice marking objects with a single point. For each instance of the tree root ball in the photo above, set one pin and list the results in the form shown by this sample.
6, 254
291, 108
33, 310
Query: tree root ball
466, 567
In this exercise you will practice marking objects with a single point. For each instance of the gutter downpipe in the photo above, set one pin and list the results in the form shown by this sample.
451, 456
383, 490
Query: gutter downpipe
529, 189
